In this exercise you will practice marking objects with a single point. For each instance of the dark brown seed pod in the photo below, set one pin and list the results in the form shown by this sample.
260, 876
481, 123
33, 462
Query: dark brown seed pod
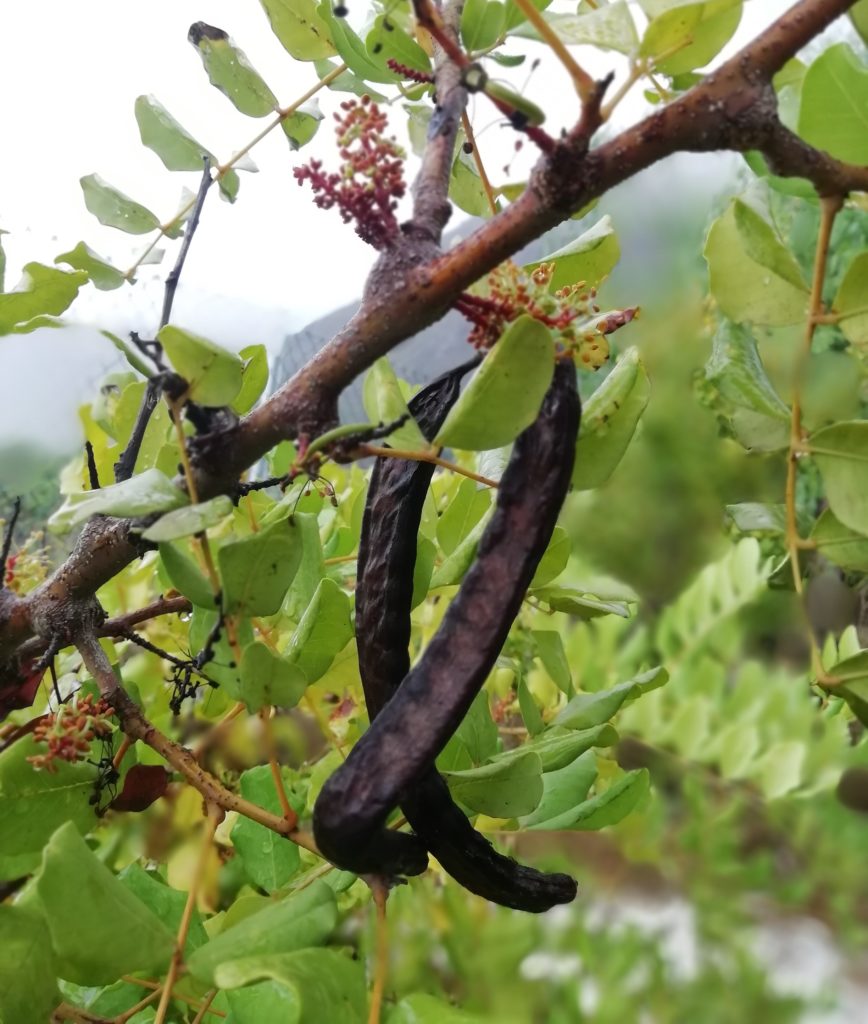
392, 763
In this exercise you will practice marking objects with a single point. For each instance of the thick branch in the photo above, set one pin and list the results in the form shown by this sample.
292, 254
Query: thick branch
733, 108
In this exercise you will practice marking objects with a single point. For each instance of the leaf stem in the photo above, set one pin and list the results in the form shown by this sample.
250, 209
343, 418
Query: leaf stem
829, 207
477, 159
425, 456
583, 82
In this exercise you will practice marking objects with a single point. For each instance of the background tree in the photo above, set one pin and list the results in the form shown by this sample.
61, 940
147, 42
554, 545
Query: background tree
213, 900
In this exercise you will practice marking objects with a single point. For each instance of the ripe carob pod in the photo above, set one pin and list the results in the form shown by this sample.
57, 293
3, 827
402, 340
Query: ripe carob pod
393, 762
387, 554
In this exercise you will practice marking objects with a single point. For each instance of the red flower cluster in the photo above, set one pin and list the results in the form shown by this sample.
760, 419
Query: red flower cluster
71, 730
371, 179
571, 312
9, 578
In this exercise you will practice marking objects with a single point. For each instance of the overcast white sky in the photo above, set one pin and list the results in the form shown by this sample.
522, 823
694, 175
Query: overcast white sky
264, 267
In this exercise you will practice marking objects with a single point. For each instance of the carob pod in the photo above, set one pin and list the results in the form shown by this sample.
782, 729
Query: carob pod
387, 553
393, 762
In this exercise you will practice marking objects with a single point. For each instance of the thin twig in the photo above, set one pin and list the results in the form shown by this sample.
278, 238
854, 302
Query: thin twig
189, 230
136, 726
126, 463
156, 986
205, 1007
477, 159
215, 816
424, 456
92, 473
829, 208
380, 893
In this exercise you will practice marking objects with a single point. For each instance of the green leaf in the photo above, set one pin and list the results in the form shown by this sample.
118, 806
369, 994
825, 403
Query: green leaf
505, 394
840, 544
185, 575
851, 302
167, 903
351, 48
564, 791
114, 209
501, 789
579, 602
465, 187
745, 290
780, 770
464, 511
737, 371
550, 648
33, 804
142, 495
859, 17
213, 374
231, 72
610, 27
589, 709
453, 568
614, 803
41, 291
423, 570
2, 262
126, 351
388, 41
114, 932
384, 403
555, 559
270, 860
477, 731
301, 31
254, 377
189, 520
754, 517
308, 987
833, 114
696, 33
482, 22
302, 920
530, 713
100, 272
301, 126
853, 686
609, 421
763, 246
589, 258
558, 747
266, 678
324, 630
172, 143
28, 989
256, 571
427, 1009
841, 453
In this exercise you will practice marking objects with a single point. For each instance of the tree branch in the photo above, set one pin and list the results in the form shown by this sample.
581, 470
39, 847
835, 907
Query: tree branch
413, 285
137, 727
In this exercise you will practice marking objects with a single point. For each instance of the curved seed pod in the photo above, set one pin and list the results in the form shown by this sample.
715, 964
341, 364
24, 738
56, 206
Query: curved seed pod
383, 596
392, 763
